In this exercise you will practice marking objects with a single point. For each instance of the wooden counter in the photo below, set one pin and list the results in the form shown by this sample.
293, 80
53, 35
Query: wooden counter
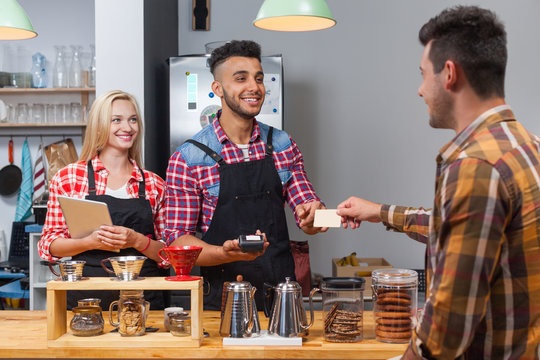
24, 335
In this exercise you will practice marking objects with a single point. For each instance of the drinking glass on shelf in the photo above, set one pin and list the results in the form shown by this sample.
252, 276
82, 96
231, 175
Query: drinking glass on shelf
76, 113
66, 113
51, 114
38, 114
58, 114
22, 113
11, 114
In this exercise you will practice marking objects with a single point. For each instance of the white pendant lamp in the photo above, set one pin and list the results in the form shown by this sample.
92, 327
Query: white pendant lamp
14, 23
294, 15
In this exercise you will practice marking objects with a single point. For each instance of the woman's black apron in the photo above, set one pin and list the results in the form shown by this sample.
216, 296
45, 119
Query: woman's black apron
135, 214
250, 198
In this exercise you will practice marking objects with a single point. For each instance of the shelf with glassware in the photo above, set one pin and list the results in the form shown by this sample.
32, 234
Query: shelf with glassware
63, 118
84, 91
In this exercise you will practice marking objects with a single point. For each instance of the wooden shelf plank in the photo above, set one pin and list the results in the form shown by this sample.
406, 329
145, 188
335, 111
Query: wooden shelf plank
112, 340
109, 283
45, 90
36, 125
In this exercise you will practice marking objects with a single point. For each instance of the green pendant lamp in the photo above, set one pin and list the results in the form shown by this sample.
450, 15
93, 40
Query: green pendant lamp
14, 23
294, 15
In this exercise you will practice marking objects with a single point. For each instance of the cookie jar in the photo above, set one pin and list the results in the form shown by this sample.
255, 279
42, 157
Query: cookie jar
132, 311
343, 308
395, 297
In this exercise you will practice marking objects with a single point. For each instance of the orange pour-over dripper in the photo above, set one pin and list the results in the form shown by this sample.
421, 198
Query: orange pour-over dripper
182, 259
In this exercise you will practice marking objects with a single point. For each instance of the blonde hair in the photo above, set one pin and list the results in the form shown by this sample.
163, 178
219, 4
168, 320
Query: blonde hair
99, 124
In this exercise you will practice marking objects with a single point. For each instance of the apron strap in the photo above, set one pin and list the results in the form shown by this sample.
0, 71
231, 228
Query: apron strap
214, 155
142, 186
92, 182
269, 147
91, 179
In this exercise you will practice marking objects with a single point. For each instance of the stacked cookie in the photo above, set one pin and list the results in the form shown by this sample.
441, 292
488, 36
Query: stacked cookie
393, 315
342, 325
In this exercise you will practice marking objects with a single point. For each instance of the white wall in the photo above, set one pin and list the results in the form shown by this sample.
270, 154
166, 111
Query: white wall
57, 22
120, 47
351, 104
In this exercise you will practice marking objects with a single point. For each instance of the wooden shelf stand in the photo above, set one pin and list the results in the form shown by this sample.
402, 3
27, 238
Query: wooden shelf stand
57, 329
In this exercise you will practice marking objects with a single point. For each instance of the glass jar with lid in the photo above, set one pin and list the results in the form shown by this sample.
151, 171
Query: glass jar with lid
91, 302
343, 308
179, 323
132, 311
395, 297
86, 321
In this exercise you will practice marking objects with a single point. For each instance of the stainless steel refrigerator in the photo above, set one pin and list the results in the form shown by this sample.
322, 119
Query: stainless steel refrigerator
194, 105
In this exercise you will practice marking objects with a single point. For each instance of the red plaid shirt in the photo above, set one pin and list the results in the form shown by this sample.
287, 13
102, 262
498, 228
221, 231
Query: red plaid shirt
72, 181
189, 204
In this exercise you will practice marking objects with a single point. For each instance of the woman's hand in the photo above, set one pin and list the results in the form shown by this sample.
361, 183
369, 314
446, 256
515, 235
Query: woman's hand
94, 242
120, 237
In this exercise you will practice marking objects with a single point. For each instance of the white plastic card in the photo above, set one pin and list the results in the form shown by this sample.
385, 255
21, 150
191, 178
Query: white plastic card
327, 218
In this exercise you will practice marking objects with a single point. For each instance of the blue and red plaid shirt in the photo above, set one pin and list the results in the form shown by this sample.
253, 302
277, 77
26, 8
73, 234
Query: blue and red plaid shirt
190, 201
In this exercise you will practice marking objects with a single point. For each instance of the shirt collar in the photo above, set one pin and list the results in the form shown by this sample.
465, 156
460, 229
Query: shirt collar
222, 137
456, 145
135, 173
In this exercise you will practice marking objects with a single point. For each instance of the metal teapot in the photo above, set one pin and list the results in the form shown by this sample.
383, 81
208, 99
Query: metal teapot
239, 316
288, 317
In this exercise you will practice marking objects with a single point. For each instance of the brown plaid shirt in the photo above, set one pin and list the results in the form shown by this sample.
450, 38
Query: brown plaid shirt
483, 244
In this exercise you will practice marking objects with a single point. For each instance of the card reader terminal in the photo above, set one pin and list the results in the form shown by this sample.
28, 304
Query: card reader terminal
251, 243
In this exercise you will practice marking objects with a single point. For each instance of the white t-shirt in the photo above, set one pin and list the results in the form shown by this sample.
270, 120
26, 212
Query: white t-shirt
245, 150
120, 193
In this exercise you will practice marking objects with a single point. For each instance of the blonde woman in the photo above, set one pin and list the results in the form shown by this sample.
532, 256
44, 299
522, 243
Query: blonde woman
109, 170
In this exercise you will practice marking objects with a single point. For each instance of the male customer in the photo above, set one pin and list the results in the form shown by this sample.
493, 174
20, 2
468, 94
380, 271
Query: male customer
233, 178
483, 233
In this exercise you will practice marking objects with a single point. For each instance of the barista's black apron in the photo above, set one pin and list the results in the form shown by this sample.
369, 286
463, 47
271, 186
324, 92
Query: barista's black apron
250, 198
136, 214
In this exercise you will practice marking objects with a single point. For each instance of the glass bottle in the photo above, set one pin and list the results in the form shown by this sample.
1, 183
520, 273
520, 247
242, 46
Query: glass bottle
75, 69
39, 74
132, 311
59, 71
92, 68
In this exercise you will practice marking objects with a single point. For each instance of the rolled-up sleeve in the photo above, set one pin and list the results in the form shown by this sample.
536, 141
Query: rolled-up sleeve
55, 224
298, 190
183, 200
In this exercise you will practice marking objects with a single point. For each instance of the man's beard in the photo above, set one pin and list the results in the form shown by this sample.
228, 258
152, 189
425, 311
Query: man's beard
442, 112
236, 107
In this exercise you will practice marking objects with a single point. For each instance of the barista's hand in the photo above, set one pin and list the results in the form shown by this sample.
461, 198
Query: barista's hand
233, 252
306, 212
120, 237
354, 210
94, 242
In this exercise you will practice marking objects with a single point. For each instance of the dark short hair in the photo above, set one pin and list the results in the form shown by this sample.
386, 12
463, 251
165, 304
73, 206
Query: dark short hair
244, 48
474, 39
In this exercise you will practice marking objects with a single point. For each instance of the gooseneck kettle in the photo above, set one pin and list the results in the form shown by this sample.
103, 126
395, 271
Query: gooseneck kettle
288, 317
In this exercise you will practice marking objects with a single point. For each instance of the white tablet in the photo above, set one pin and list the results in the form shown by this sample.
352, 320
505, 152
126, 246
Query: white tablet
84, 216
